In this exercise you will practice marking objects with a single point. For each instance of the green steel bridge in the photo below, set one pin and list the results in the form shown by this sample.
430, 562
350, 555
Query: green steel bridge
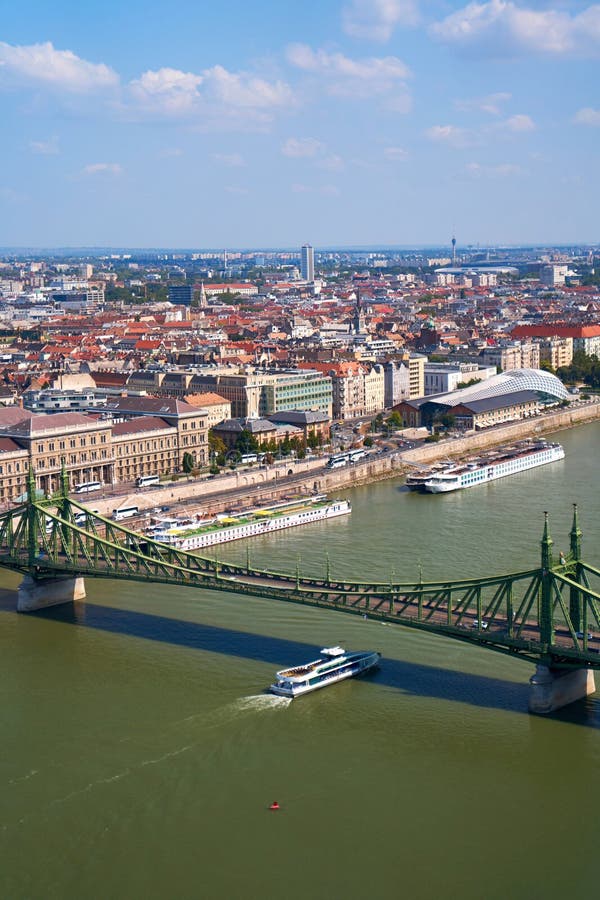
548, 615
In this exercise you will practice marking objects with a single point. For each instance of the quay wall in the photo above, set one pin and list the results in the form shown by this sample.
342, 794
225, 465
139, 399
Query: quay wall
505, 434
258, 485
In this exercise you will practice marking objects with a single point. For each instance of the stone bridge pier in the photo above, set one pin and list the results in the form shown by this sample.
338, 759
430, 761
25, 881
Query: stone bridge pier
40, 593
551, 689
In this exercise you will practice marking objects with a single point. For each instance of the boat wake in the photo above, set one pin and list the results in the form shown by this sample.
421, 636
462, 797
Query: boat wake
260, 702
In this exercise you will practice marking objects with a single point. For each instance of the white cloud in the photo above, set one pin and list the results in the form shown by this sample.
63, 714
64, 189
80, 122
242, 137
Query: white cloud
301, 147
395, 154
518, 123
44, 65
244, 90
490, 104
169, 91
503, 170
102, 169
502, 28
214, 96
232, 160
451, 135
45, 148
587, 116
458, 137
234, 189
351, 78
376, 19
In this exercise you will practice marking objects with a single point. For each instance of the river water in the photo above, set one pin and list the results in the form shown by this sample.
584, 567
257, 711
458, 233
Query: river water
140, 754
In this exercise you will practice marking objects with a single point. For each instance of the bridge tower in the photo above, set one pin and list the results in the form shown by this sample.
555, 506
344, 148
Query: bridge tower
36, 592
575, 594
552, 688
546, 605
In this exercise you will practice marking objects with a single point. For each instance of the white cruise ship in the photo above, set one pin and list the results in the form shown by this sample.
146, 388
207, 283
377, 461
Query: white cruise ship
195, 534
506, 461
334, 664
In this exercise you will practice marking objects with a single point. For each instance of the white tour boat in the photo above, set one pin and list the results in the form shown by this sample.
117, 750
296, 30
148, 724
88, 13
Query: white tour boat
194, 534
496, 464
334, 664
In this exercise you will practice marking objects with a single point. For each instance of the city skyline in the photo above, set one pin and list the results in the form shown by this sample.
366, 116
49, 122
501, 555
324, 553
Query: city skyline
401, 124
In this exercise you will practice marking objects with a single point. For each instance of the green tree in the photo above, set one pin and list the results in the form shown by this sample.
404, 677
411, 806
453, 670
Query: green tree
377, 423
188, 462
216, 445
464, 384
394, 420
247, 443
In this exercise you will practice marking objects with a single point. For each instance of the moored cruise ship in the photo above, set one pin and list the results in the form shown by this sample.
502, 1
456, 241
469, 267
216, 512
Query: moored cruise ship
335, 664
197, 533
416, 481
505, 461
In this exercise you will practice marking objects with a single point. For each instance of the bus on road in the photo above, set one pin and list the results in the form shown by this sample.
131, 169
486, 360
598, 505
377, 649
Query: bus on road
125, 512
86, 487
147, 480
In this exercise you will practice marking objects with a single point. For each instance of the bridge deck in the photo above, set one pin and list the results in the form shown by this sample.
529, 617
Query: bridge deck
549, 613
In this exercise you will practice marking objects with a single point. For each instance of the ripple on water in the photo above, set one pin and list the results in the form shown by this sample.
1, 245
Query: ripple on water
260, 702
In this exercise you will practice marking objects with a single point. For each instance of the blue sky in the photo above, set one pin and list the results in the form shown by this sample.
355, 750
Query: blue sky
355, 122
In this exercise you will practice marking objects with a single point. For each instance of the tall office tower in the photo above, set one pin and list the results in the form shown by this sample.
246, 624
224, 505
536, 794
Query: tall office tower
307, 265
181, 294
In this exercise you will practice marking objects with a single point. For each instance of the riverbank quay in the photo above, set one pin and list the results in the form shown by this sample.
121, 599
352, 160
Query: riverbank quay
257, 486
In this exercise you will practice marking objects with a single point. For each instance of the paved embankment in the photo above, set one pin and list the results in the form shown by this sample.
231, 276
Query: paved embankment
258, 485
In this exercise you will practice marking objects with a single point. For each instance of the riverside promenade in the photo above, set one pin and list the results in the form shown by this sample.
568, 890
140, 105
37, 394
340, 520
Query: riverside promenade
262, 485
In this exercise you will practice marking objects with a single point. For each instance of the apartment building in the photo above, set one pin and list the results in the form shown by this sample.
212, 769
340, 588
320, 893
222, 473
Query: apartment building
404, 379
585, 337
557, 351
517, 355
374, 379
53, 401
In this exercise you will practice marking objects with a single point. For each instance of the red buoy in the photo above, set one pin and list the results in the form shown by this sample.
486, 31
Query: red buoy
274, 806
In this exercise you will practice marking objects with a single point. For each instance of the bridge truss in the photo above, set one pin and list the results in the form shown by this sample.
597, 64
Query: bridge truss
548, 615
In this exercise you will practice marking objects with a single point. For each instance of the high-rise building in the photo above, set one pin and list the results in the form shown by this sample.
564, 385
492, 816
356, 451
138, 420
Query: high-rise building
307, 264
181, 294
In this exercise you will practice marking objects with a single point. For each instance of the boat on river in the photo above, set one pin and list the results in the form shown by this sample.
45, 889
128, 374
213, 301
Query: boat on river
334, 664
194, 534
493, 465
416, 481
